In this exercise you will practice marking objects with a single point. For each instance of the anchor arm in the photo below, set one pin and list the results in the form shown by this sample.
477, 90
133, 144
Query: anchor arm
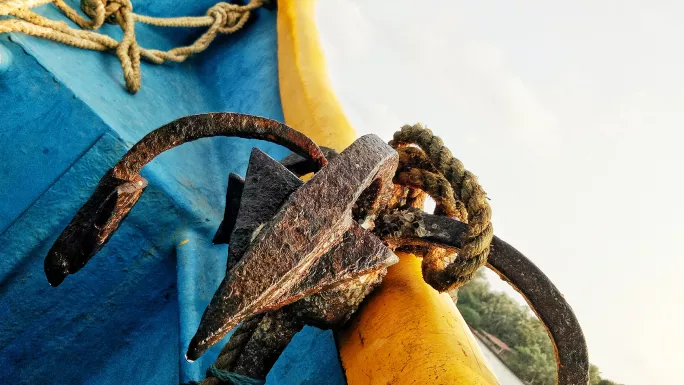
121, 187
416, 228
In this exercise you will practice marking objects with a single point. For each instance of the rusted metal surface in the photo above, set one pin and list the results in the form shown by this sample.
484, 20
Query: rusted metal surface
195, 127
267, 185
302, 166
120, 187
257, 343
329, 294
550, 306
93, 225
332, 308
297, 164
268, 340
357, 254
311, 221
308, 253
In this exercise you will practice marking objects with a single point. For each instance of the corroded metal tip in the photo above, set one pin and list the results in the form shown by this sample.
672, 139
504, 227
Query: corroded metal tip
198, 346
92, 226
55, 270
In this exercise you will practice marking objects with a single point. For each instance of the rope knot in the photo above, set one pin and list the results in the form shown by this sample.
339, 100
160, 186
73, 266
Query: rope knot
118, 12
107, 10
228, 18
222, 18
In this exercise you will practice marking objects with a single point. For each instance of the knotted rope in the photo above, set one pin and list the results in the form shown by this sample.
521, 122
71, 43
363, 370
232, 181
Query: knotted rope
222, 18
431, 172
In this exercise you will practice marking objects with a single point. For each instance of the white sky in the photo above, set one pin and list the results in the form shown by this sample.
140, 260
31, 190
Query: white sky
571, 114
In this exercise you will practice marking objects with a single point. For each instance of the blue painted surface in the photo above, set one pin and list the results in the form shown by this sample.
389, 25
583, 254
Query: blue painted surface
5, 59
126, 317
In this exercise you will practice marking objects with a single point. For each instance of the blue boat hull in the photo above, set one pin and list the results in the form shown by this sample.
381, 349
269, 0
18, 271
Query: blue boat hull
127, 317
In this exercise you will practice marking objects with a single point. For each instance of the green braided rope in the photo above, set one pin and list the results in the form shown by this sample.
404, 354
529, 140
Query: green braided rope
478, 237
230, 378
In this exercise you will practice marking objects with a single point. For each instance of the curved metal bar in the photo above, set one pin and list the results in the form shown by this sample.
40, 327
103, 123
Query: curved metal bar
121, 187
195, 127
551, 308
412, 227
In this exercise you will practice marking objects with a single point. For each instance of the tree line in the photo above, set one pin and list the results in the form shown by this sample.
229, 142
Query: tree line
532, 357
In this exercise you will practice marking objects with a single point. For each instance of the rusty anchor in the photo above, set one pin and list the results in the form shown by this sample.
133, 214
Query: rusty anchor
308, 253
305, 248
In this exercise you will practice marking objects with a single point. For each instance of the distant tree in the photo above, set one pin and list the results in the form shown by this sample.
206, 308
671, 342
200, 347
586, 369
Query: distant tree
471, 316
533, 357
534, 366
594, 375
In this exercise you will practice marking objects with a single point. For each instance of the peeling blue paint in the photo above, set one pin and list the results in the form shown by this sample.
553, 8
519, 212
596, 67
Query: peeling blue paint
126, 317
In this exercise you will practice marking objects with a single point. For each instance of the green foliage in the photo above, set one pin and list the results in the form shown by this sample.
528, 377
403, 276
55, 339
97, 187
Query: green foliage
471, 316
532, 358
594, 375
537, 366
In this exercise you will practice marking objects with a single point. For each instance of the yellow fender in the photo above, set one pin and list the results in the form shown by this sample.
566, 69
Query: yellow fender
405, 332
